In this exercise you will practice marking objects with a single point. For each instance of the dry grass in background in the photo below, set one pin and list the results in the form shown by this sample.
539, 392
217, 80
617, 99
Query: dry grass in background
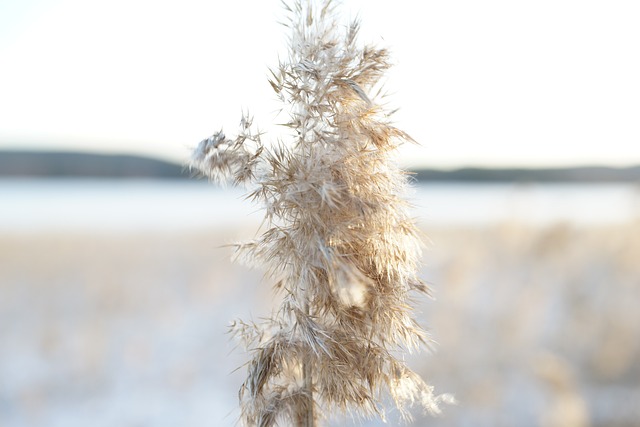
536, 327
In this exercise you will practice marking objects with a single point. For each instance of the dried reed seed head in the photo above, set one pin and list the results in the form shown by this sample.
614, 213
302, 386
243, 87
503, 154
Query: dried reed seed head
338, 234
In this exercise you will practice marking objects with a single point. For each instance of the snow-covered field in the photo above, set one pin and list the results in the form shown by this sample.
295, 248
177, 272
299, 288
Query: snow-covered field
537, 323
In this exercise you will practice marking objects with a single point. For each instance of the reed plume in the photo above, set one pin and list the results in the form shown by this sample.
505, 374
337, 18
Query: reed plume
338, 239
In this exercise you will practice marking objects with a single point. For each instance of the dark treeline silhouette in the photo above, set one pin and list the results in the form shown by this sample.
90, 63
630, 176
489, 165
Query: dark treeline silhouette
571, 174
45, 164
71, 164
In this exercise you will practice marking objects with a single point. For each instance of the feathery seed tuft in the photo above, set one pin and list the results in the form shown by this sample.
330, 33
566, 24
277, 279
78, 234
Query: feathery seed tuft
338, 235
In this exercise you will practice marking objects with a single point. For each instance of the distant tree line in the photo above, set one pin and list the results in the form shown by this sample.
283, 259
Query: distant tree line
88, 165
574, 174
72, 164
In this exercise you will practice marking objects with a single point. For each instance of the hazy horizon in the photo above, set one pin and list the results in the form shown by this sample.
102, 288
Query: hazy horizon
183, 161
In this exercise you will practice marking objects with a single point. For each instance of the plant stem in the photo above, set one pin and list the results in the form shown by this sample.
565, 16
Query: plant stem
308, 418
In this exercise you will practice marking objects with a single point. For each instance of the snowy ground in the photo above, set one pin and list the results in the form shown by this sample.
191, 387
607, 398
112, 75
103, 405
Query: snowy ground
535, 326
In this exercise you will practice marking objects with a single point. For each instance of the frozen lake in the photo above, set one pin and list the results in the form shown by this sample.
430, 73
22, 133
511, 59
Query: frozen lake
126, 205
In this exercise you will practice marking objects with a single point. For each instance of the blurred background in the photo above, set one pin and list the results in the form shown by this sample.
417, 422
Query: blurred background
116, 288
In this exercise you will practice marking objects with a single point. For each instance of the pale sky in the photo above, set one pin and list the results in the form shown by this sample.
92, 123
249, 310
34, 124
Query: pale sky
481, 83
